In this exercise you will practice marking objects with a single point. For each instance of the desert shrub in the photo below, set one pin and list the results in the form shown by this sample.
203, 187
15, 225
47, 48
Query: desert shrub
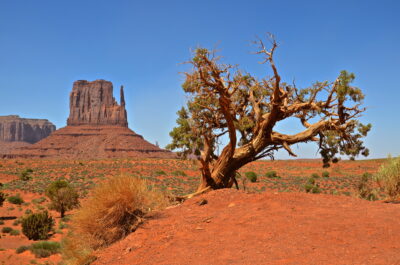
316, 189
37, 226
21, 249
17, 221
308, 187
312, 186
39, 200
315, 175
251, 176
160, 172
14, 232
28, 211
63, 197
45, 249
16, 199
114, 209
25, 175
325, 174
365, 189
271, 174
6, 229
1, 222
388, 177
311, 181
178, 173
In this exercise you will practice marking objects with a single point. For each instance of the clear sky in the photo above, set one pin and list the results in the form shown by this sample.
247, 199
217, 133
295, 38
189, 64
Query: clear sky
46, 45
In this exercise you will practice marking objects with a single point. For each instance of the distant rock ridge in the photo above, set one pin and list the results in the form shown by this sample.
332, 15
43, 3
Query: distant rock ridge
16, 129
92, 103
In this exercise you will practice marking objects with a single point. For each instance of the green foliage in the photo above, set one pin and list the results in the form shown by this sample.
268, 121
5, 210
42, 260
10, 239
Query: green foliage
16, 199
252, 176
45, 249
365, 189
160, 172
325, 174
6, 229
315, 175
388, 176
312, 186
62, 196
271, 174
37, 226
21, 249
25, 175
14, 232
178, 173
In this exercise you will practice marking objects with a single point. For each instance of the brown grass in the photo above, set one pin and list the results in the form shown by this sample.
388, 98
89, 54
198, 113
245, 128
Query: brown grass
114, 209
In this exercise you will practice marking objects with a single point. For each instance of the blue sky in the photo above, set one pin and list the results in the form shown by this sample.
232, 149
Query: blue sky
46, 45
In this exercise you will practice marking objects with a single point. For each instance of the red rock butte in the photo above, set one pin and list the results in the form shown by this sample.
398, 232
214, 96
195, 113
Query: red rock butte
97, 127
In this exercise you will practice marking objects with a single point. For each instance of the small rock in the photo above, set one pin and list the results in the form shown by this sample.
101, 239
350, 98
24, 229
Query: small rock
202, 202
199, 228
231, 204
128, 249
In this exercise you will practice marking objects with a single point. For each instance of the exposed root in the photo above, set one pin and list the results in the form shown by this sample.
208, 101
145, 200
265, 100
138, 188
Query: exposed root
188, 196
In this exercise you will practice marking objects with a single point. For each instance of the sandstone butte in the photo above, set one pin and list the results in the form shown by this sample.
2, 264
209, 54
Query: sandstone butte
97, 127
18, 132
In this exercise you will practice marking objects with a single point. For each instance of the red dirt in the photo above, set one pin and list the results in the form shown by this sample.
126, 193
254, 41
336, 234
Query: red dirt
268, 228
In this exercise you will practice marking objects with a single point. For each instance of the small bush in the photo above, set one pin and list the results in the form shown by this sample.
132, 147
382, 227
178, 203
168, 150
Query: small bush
25, 175
178, 173
365, 189
21, 249
315, 189
6, 230
311, 181
160, 172
325, 174
114, 209
14, 232
388, 177
17, 221
315, 175
271, 174
252, 176
37, 226
45, 249
15, 199
62, 196
1, 222
308, 187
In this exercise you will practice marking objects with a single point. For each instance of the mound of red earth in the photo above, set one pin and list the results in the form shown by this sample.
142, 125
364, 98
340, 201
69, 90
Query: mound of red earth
97, 127
91, 142
281, 228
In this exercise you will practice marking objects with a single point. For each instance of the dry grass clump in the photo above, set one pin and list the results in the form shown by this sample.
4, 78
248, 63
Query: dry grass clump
388, 177
114, 209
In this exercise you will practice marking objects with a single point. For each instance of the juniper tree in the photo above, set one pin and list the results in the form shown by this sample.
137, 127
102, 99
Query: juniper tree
62, 196
223, 100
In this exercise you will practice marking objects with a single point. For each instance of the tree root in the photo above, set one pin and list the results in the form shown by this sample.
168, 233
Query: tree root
188, 196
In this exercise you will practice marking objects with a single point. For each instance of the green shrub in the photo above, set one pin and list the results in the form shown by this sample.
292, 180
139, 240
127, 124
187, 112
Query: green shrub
271, 174
25, 175
308, 187
178, 173
63, 197
160, 172
15, 199
6, 229
365, 189
388, 176
45, 249
315, 189
21, 249
311, 181
37, 226
315, 175
325, 174
28, 211
252, 176
14, 232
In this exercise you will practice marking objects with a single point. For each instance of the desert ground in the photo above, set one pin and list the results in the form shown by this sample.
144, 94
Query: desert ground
270, 221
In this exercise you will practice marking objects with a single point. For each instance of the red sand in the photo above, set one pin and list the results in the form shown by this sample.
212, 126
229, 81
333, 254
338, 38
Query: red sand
285, 228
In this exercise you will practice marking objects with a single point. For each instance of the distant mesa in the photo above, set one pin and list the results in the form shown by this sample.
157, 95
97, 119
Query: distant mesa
97, 127
16, 132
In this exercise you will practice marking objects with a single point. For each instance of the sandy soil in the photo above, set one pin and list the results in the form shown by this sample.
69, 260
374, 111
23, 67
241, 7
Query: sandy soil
269, 228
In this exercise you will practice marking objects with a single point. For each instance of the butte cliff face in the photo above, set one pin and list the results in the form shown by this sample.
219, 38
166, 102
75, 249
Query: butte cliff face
16, 129
97, 127
92, 103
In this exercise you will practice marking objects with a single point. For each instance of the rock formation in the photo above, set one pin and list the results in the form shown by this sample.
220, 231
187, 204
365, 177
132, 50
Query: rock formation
92, 103
97, 127
16, 129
